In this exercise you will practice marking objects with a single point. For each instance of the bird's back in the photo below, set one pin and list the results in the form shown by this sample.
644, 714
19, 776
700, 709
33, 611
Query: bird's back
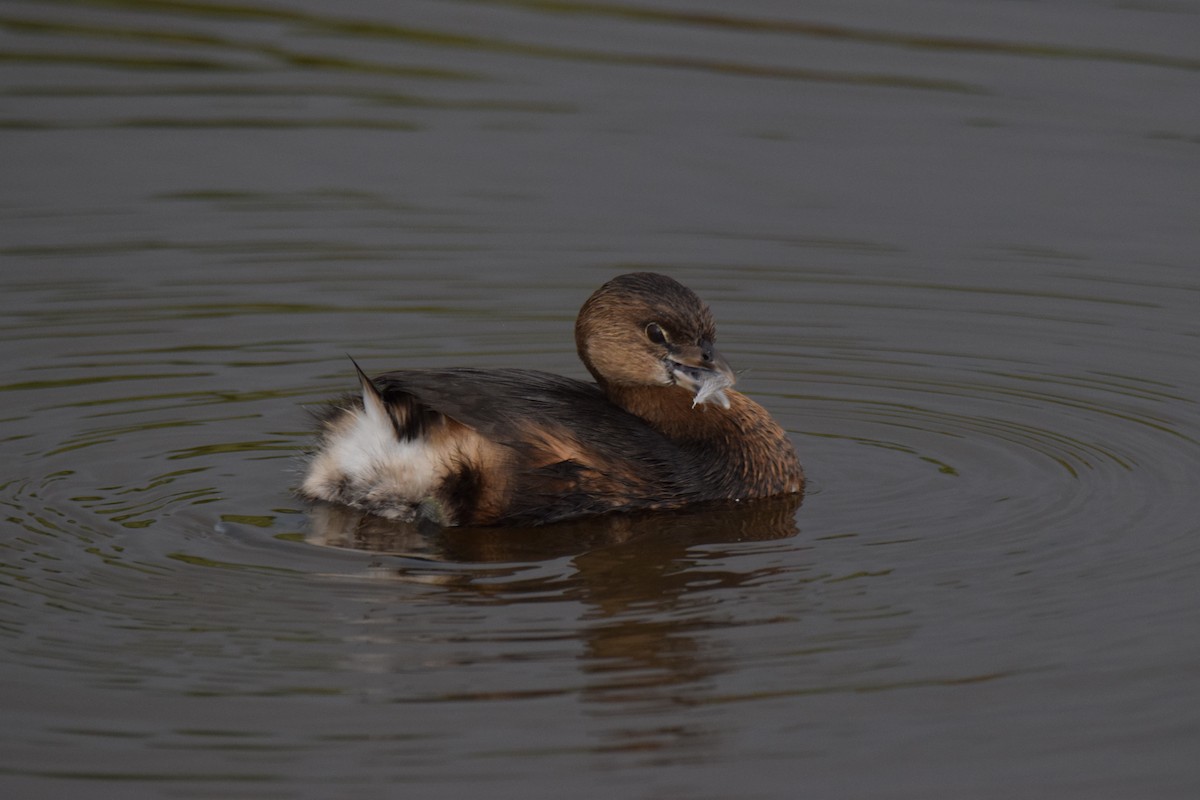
481, 447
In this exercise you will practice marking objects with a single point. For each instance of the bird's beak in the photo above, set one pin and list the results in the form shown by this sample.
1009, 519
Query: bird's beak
704, 372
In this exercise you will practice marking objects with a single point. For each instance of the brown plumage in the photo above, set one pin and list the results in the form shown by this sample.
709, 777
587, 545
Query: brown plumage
660, 428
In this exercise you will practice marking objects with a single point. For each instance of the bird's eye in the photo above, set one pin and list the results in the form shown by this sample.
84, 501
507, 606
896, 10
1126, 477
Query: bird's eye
655, 333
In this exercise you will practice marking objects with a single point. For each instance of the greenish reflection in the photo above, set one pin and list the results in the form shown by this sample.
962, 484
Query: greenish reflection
176, 39
202, 561
373, 29
725, 20
234, 447
258, 521
90, 380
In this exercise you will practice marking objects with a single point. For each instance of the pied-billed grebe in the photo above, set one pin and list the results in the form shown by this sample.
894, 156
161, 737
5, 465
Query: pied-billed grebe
660, 427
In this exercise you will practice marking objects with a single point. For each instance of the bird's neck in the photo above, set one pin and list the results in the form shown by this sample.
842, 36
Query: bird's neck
668, 409
743, 443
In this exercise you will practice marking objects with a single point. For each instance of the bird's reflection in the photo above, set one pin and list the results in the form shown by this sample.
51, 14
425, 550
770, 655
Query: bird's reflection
647, 583
759, 520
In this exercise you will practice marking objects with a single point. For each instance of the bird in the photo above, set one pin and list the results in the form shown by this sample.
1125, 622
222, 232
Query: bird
660, 427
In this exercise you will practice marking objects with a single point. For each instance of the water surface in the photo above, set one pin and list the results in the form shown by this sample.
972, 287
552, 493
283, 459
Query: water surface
953, 248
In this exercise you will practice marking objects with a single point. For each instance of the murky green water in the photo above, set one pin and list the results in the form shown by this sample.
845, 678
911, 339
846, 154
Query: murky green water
953, 248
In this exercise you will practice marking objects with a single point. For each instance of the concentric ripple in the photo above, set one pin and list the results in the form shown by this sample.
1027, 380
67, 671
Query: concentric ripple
968, 466
1055, 436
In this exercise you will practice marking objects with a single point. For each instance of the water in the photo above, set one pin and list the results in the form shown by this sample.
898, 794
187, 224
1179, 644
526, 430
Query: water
953, 248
